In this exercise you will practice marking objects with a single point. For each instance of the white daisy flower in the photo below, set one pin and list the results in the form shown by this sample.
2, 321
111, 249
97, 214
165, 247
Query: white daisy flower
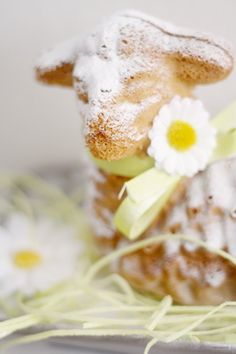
35, 257
182, 138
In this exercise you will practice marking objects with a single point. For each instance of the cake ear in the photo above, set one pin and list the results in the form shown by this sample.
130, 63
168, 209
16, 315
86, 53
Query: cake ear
199, 58
58, 75
55, 67
203, 61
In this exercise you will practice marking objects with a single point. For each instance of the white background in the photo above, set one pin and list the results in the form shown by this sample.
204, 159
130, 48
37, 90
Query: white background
40, 125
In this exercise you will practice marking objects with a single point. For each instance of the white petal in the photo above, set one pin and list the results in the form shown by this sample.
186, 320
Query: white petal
17, 225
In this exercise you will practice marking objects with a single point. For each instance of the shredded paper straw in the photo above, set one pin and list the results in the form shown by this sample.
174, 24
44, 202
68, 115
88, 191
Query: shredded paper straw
99, 303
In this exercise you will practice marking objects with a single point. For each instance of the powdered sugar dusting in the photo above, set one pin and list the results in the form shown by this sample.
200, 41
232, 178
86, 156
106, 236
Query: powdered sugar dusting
206, 213
101, 224
196, 47
118, 50
230, 235
221, 184
215, 277
196, 194
211, 197
62, 53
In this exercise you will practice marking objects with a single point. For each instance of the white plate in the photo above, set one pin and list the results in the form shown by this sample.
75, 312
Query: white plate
121, 345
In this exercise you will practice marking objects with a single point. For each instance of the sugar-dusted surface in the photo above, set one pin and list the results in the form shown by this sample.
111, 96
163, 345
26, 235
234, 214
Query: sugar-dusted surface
205, 211
127, 45
120, 71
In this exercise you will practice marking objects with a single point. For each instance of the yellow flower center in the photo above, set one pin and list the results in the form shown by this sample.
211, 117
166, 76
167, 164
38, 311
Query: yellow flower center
181, 135
27, 259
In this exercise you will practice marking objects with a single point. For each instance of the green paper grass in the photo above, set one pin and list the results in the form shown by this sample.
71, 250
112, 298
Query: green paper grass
99, 303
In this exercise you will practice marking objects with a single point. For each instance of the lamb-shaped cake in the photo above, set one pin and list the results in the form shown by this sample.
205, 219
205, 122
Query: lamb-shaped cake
134, 78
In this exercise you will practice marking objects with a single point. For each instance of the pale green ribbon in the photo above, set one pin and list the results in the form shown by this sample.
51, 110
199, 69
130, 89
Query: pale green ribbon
150, 189
128, 167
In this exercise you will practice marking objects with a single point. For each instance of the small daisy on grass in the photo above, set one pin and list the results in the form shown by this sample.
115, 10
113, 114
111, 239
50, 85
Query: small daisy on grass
35, 256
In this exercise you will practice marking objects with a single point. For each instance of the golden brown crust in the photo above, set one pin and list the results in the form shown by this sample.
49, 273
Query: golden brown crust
160, 275
112, 142
181, 275
151, 62
101, 143
60, 75
173, 62
195, 71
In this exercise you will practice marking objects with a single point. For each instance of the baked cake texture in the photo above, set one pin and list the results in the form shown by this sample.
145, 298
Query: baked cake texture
123, 73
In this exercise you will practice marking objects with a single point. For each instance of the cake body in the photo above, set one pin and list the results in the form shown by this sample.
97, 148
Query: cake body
123, 74
201, 207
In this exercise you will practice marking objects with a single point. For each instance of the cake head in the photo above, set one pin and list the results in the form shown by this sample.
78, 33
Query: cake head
126, 70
